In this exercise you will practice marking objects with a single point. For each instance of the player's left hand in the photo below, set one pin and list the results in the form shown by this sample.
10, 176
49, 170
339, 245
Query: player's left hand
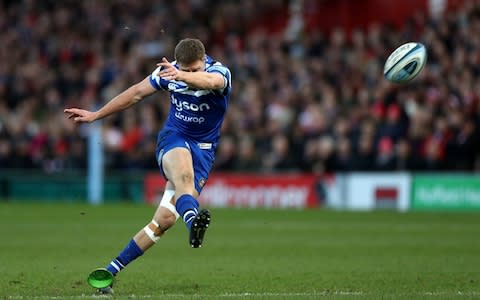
168, 72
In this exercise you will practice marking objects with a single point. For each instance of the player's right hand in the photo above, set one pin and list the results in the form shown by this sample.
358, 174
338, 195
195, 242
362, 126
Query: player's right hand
80, 115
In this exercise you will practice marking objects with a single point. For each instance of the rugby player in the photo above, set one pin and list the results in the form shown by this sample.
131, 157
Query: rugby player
199, 89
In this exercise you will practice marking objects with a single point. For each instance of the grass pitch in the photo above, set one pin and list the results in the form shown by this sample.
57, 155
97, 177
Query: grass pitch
47, 251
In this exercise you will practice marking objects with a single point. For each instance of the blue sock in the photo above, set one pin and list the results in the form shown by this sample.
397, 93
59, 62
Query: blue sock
128, 254
187, 207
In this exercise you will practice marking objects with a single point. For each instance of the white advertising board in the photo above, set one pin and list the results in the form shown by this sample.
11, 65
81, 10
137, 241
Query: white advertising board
369, 191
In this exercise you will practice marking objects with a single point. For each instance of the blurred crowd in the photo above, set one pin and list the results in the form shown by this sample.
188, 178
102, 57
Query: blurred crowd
303, 99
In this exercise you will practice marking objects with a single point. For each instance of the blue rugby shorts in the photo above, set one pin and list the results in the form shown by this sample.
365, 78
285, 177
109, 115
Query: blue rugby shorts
203, 154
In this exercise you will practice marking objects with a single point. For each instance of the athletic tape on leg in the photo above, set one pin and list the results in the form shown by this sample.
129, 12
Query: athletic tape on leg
165, 202
151, 232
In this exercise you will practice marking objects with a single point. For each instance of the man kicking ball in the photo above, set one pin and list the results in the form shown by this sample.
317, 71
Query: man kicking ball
199, 90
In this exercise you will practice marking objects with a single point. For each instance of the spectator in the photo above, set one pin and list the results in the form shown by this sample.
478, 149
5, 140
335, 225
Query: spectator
226, 154
386, 155
279, 156
365, 157
404, 160
247, 159
344, 156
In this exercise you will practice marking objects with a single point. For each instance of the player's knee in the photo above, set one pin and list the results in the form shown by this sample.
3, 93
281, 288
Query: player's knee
184, 183
167, 221
186, 178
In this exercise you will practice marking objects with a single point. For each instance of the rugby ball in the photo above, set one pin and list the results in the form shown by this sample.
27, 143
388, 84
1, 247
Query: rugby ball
405, 63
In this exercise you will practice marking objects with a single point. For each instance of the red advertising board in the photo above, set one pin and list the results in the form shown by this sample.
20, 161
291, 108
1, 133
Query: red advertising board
241, 190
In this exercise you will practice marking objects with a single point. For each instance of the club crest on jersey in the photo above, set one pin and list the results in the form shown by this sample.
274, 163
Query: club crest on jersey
185, 105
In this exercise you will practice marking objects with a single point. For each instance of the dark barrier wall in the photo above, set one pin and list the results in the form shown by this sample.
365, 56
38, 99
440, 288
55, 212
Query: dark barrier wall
67, 187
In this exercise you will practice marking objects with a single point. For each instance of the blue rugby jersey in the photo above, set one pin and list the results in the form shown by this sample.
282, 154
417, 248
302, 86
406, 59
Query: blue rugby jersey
195, 113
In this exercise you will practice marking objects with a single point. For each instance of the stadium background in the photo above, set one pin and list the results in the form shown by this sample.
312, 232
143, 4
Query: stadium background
311, 123
309, 97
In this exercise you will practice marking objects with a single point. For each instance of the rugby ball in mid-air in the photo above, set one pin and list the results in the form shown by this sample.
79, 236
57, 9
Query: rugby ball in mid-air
405, 63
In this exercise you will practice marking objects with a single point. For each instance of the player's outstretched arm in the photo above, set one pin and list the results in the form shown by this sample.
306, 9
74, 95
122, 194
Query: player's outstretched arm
124, 100
200, 80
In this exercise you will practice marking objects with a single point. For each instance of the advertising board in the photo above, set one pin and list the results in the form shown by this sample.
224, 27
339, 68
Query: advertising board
446, 192
244, 190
